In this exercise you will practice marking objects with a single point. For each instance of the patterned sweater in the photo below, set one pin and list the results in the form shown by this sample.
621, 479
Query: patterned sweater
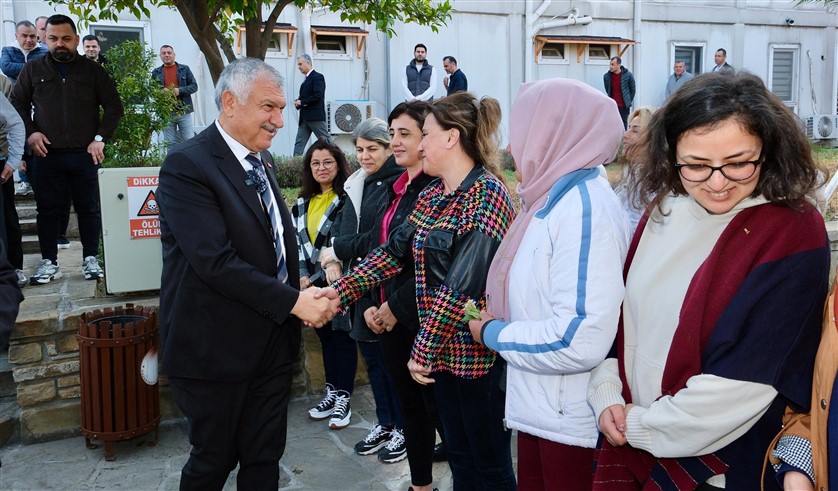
452, 239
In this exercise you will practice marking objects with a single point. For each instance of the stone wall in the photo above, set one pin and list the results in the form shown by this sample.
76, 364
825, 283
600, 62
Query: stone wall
45, 386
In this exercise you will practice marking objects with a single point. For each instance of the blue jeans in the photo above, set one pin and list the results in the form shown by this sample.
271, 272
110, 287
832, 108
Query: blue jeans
387, 408
178, 130
478, 445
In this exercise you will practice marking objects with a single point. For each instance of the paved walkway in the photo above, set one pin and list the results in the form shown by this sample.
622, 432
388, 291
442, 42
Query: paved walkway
316, 458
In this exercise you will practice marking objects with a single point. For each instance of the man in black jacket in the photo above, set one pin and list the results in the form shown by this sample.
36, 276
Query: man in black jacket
619, 85
311, 105
67, 136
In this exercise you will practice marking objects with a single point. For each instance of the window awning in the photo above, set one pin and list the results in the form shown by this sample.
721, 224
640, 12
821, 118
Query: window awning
581, 42
355, 32
280, 27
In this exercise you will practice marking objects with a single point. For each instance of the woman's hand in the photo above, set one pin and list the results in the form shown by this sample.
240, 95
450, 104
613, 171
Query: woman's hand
797, 481
476, 325
369, 318
419, 373
333, 272
384, 317
305, 282
612, 424
327, 255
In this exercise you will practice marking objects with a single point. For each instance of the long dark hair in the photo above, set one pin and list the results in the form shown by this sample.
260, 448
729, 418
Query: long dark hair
788, 172
310, 187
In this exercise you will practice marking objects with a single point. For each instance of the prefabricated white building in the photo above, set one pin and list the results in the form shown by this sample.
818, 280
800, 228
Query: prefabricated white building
500, 44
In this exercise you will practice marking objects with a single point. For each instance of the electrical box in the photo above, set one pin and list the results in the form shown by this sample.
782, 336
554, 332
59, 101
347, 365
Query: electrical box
130, 229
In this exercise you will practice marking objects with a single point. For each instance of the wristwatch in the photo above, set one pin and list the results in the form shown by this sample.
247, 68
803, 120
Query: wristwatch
98, 138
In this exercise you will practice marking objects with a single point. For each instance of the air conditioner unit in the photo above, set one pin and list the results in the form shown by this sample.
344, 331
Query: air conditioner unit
345, 116
822, 127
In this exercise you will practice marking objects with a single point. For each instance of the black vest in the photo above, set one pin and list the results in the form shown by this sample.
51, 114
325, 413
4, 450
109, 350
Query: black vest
418, 81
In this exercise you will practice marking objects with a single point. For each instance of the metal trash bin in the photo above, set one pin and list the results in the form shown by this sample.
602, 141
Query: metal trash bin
120, 397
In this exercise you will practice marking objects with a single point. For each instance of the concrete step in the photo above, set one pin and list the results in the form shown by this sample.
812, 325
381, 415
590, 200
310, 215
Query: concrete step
28, 226
30, 244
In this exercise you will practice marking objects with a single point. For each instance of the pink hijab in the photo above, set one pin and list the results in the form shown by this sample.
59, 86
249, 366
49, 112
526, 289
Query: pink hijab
558, 126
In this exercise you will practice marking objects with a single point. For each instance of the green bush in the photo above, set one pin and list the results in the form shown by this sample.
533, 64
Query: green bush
147, 108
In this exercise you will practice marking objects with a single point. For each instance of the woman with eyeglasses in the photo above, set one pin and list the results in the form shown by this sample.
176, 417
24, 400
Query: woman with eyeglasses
725, 283
325, 171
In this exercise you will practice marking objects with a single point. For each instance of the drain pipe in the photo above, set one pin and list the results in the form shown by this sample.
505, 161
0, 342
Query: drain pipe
7, 13
533, 29
636, 58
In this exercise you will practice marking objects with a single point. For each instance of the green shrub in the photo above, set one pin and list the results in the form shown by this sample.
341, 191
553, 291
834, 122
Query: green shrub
148, 109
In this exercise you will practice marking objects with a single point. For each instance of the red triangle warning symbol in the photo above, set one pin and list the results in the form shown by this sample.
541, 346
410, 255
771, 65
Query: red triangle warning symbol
149, 207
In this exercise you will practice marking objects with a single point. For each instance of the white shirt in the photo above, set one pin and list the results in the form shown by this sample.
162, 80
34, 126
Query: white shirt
240, 152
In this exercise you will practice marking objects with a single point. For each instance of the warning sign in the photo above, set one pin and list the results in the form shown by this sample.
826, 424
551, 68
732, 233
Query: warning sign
143, 214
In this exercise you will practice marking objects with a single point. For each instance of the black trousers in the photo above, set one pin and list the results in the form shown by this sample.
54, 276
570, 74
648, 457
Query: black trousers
59, 173
417, 402
10, 232
238, 423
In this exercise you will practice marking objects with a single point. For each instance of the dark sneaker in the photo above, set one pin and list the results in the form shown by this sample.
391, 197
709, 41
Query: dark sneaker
91, 268
342, 412
46, 272
395, 450
326, 407
63, 243
377, 439
22, 280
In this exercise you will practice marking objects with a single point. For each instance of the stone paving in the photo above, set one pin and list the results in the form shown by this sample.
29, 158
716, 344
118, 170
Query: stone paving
316, 458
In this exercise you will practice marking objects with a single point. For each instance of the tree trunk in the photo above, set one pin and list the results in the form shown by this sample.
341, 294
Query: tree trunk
196, 17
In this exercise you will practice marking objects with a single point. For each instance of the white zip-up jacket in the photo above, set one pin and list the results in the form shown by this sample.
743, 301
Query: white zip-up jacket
565, 290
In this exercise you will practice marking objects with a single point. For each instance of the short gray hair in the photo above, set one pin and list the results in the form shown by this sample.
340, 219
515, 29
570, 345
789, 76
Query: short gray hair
239, 75
374, 130
306, 57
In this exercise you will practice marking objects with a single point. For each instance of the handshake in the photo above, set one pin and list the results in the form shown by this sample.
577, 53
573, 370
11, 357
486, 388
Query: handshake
316, 306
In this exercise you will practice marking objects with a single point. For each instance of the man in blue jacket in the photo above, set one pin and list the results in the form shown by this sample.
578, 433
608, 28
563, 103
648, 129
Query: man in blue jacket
619, 85
12, 58
178, 79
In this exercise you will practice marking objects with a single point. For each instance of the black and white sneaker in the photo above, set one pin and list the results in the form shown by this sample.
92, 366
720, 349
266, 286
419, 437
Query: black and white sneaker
46, 272
396, 448
377, 439
91, 268
326, 407
342, 412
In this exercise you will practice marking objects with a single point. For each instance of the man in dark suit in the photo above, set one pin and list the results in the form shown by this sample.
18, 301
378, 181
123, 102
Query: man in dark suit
230, 309
456, 80
311, 105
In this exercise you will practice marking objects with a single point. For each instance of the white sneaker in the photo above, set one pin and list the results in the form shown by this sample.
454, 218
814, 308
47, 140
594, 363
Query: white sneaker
91, 268
22, 280
326, 407
23, 188
46, 272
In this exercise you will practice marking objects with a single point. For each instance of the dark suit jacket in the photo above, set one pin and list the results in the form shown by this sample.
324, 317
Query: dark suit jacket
457, 82
219, 299
312, 95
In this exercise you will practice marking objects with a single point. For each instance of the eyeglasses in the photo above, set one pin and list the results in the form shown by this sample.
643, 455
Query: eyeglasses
736, 171
326, 164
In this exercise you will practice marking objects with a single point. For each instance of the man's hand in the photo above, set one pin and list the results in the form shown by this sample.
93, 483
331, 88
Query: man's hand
331, 294
305, 282
38, 143
476, 325
314, 311
419, 373
612, 424
175, 91
7, 173
297, 103
445, 82
97, 151
22, 166
385, 318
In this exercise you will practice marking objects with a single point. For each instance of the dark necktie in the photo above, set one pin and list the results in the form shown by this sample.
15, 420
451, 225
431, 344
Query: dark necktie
257, 175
